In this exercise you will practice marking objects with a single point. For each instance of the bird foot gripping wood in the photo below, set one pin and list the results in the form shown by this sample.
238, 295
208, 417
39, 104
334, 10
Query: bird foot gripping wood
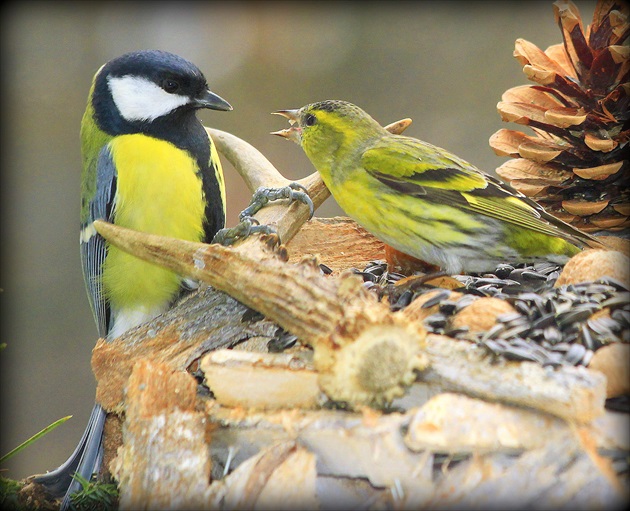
249, 225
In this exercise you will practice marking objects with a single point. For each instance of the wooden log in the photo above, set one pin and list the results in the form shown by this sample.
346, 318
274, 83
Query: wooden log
164, 461
338, 242
399, 450
281, 476
203, 322
369, 445
563, 474
363, 353
572, 393
261, 380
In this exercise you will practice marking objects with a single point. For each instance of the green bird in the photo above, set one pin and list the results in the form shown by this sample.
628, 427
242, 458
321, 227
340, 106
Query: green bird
423, 200
148, 165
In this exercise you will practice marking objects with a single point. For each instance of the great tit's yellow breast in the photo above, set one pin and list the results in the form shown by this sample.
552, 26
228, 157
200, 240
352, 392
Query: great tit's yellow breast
159, 191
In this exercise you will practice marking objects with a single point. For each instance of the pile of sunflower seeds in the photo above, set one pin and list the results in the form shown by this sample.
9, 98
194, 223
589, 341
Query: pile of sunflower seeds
551, 326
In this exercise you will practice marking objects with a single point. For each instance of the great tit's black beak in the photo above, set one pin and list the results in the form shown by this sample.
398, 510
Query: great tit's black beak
208, 99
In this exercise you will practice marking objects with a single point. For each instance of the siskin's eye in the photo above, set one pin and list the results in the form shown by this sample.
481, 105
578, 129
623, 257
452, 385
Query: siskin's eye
310, 119
169, 85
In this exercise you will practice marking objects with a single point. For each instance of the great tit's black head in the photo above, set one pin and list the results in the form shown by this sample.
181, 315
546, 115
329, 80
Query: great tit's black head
142, 86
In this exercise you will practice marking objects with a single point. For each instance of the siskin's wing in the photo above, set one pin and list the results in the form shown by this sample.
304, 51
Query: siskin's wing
93, 249
416, 168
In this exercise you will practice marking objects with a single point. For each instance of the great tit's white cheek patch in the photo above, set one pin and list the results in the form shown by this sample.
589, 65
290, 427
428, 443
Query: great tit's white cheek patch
139, 99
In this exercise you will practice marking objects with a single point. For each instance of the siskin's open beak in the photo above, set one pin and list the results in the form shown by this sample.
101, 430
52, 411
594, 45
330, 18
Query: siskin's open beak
292, 115
293, 133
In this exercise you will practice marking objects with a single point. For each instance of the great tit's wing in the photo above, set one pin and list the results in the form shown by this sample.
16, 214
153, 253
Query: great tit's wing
93, 249
413, 167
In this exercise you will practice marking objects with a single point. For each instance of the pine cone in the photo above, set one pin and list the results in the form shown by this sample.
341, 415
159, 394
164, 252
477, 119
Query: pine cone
576, 164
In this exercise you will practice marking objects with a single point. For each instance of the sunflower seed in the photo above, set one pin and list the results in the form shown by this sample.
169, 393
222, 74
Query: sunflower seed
493, 332
587, 338
510, 316
617, 284
283, 341
622, 316
326, 270
561, 347
533, 275
496, 281
436, 321
604, 325
575, 354
594, 288
551, 326
517, 274
515, 289
448, 307
544, 321
561, 306
437, 298
516, 330
552, 277
588, 356
494, 346
579, 313
546, 267
367, 277
489, 289
504, 270
395, 277
456, 332
464, 301
472, 291
376, 268
618, 300
554, 359
403, 300
518, 353
524, 308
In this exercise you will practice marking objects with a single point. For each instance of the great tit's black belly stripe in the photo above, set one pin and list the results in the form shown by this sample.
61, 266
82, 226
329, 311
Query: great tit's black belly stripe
215, 216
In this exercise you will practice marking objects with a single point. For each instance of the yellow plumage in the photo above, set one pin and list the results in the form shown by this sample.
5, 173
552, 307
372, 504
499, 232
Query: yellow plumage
145, 204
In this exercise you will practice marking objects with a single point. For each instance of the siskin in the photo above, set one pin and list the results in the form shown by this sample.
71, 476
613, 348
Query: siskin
423, 200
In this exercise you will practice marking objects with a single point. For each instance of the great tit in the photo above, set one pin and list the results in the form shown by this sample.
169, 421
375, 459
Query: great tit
149, 165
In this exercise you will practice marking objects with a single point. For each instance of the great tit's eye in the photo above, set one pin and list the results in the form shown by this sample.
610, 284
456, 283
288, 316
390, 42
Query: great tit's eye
169, 85
310, 119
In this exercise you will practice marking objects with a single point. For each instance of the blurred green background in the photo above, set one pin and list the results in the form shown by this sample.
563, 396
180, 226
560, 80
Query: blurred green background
444, 64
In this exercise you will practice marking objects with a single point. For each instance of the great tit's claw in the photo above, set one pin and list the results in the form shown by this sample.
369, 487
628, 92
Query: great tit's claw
300, 193
246, 227
264, 195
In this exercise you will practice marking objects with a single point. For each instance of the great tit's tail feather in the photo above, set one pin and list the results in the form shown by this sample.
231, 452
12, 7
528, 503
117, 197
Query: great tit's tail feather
84, 461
